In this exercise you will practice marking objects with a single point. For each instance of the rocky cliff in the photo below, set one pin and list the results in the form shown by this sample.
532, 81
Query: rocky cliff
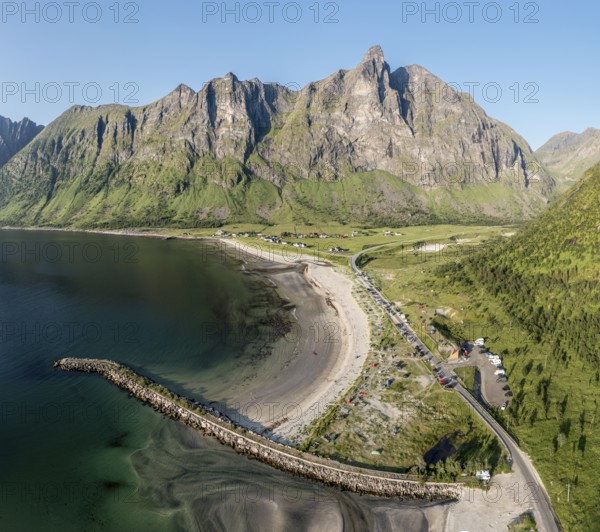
14, 136
366, 145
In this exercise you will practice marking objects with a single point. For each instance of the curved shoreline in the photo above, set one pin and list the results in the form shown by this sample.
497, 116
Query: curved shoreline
350, 333
250, 444
308, 396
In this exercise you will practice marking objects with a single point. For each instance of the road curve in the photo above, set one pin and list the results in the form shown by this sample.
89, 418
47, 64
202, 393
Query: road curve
545, 517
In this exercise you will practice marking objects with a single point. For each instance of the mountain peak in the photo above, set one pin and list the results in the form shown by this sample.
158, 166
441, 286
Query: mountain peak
375, 53
180, 96
591, 131
184, 89
373, 64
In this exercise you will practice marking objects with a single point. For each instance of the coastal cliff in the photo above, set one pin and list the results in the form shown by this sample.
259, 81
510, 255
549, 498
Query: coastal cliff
245, 442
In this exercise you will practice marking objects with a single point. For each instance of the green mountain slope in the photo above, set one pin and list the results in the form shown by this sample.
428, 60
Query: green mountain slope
545, 282
548, 276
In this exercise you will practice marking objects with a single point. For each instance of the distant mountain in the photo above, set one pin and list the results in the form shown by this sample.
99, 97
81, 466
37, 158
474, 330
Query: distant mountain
369, 145
568, 155
14, 136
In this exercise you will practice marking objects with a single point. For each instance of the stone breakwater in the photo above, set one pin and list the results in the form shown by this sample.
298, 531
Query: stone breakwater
358, 480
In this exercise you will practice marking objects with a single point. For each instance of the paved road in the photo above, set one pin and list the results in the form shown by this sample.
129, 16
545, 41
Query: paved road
544, 515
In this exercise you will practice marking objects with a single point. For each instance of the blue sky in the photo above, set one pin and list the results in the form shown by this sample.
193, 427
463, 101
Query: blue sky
531, 65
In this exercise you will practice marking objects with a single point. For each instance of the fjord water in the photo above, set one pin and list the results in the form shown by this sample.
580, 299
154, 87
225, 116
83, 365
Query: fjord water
78, 454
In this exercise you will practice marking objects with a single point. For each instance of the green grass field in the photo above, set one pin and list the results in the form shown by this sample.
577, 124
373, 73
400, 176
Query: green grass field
467, 376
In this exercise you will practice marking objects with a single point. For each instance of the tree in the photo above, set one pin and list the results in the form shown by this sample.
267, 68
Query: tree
581, 444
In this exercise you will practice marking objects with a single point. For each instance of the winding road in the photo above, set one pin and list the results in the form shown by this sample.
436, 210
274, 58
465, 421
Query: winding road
544, 515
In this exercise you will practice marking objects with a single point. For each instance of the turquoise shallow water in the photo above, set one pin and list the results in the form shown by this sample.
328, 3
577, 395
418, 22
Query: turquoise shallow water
78, 454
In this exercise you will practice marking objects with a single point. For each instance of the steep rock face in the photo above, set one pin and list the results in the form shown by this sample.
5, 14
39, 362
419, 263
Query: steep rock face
14, 136
408, 123
366, 144
346, 123
455, 141
568, 155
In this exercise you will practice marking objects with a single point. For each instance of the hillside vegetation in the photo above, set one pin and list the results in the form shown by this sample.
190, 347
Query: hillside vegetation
547, 276
546, 281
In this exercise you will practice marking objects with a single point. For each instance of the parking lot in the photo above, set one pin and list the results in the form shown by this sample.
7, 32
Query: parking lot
495, 390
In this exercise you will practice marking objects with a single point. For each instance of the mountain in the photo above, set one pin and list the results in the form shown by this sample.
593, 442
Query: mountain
368, 145
568, 155
14, 136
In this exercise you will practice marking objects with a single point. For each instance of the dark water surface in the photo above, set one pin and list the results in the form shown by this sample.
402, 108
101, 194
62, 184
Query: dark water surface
78, 454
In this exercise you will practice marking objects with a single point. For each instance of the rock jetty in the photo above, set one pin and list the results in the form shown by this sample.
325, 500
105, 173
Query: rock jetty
358, 480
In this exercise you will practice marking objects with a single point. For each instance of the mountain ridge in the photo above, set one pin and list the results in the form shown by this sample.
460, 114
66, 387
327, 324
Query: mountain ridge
366, 143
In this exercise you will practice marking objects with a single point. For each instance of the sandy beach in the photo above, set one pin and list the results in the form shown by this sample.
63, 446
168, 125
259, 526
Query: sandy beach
476, 510
334, 344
